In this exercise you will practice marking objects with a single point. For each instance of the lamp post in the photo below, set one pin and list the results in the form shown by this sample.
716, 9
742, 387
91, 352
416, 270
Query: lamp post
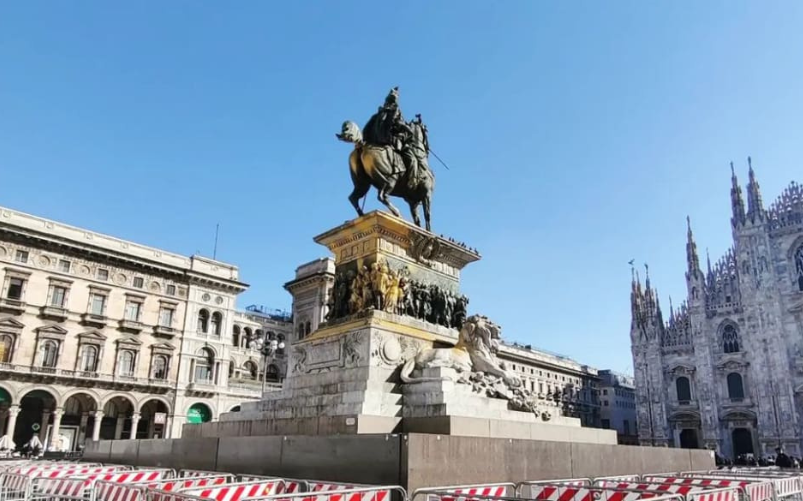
267, 347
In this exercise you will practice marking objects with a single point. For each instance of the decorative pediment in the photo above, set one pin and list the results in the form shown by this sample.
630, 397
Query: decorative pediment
164, 347
796, 307
682, 370
129, 341
92, 336
9, 323
685, 416
738, 415
52, 329
732, 364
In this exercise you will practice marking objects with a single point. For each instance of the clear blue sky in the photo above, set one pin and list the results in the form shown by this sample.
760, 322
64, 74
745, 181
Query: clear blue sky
579, 134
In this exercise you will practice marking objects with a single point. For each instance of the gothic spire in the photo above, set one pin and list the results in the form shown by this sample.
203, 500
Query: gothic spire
755, 206
737, 202
692, 259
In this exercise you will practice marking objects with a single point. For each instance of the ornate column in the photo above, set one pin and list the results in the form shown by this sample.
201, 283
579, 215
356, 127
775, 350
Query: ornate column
43, 429
118, 430
54, 434
134, 425
13, 412
82, 428
96, 425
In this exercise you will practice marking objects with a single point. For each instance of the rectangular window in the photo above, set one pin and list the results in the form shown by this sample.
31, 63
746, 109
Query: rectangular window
605, 403
604, 392
21, 256
15, 286
64, 265
166, 317
103, 274
139, 282
627, 427
606, 423
58, 296
97, 304
132, 309
171, 290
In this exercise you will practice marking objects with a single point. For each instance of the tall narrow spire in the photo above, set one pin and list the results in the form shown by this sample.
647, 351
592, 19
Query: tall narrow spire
755, 206
692, 259
708, 259
737, 202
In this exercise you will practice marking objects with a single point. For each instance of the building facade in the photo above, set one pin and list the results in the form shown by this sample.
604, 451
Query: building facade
564, 385
617, 398
101, 338
725, 371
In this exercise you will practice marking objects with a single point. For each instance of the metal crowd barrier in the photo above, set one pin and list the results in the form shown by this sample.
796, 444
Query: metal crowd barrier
239, 492
85, 487
498, 490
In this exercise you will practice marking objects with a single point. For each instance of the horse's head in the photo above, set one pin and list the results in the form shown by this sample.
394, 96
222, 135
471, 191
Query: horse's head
350, 132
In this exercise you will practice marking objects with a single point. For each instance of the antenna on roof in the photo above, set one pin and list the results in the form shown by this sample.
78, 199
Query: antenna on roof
214, 252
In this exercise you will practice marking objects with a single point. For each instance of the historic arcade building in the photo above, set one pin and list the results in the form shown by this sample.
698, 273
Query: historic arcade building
101, 338
725, 370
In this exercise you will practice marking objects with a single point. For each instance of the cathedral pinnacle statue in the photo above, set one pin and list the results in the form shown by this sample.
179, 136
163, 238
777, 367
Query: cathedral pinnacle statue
391, 155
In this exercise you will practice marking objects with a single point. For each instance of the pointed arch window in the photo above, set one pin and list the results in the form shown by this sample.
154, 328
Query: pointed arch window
159, 370
799, 267
89, 358
217, 321
735, 386
6, 348
127, 363
730, 339
683, 387
50, 354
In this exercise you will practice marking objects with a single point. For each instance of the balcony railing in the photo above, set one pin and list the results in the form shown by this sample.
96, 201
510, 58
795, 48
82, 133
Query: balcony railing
84, 375
12, 305
94, 319
56, 312
131, 325
161, 330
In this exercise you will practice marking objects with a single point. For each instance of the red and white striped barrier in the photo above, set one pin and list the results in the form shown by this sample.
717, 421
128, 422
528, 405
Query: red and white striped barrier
83, 487
453, 492
756, 489
113, 491
715, 495
227, 492
14, 487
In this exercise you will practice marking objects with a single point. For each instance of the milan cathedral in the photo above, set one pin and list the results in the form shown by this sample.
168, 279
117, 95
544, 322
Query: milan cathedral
724, 371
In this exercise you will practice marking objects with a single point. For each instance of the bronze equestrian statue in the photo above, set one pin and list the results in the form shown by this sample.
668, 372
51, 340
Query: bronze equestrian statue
392, 155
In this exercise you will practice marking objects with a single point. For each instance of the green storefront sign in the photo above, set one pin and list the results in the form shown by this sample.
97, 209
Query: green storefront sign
198, 413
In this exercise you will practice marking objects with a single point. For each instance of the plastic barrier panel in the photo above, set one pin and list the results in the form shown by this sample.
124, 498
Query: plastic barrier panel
532, 488
226, 492
504, 489
14, 487
111, 491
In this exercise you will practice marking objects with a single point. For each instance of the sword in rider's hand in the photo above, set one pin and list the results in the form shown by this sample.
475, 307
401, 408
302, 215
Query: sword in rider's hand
439, 159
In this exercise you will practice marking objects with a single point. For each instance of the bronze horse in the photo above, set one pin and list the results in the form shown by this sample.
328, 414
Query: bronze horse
383, 168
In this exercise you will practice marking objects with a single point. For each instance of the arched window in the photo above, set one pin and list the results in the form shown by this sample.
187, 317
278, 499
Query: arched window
203, 321
271, 335
127, 359
204, 364
730, 339
252, 370
159, 370
273, 373
232, 364
683, 387
301, 330
217, 322
6, 348
307, 329
799, 267
735, 386
50, 354
89, 358
235, 337
249, 336
280, 340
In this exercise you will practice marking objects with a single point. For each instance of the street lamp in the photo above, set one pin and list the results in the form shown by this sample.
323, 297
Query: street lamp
268, 348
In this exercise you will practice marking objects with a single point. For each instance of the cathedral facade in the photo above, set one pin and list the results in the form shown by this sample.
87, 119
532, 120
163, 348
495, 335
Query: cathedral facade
724, 370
